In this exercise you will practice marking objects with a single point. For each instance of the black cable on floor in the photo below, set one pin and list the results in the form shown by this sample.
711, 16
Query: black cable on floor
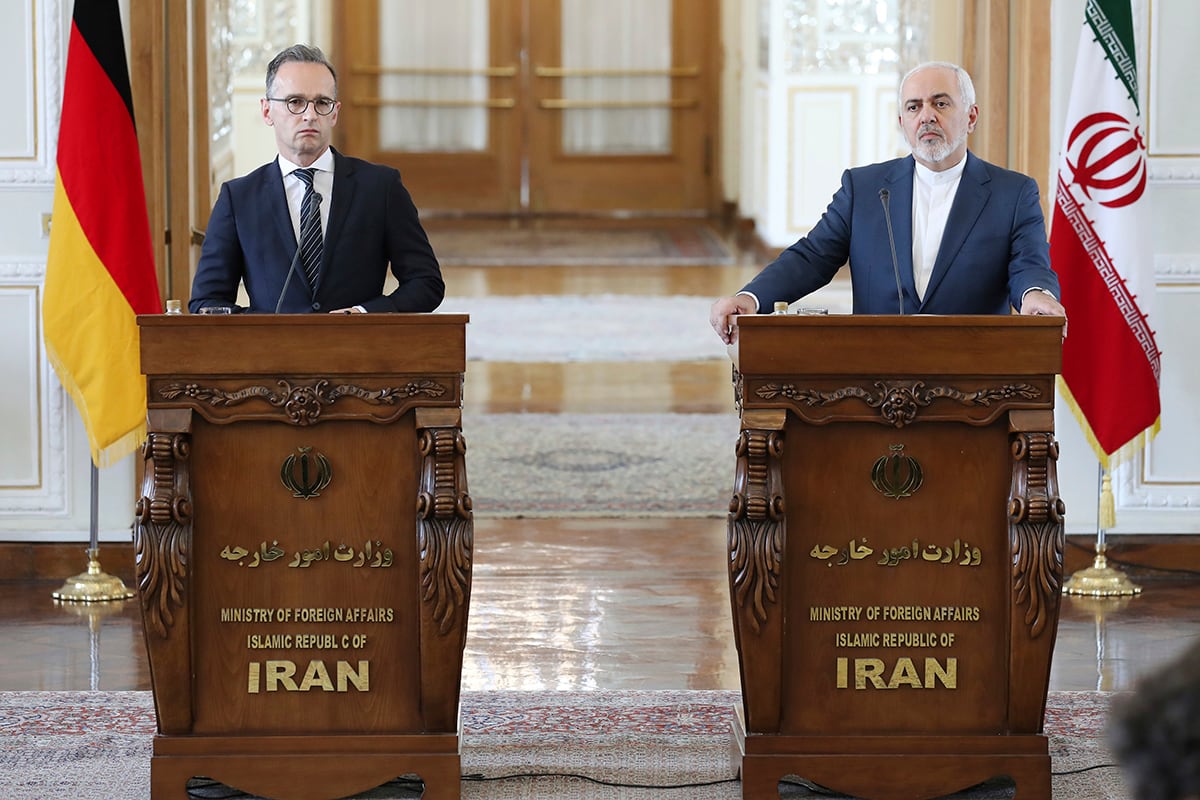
477, 778
1087, 769
202, 791
418, 787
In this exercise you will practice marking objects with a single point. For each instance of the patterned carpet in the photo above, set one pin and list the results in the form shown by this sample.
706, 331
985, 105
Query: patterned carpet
691, 245
600, 465
96, 746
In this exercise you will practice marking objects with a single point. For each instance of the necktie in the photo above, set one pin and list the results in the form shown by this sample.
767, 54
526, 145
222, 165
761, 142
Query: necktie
311, 243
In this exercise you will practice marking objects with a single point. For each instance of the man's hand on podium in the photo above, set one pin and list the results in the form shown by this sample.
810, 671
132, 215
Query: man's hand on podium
722, 314
1039, 302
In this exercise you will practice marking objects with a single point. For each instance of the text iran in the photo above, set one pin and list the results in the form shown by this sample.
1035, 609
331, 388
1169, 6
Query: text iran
874, 673
281, 675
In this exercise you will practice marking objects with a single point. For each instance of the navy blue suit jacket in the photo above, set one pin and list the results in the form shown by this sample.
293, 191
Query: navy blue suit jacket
372, 223
993, 250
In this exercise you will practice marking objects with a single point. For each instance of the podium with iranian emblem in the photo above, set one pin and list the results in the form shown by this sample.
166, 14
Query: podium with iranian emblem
304, 550
895, 552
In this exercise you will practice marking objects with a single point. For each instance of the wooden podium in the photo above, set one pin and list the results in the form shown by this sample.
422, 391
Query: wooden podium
303, 550
895, 552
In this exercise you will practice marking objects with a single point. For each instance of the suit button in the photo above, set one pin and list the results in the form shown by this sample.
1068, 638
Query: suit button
316, 306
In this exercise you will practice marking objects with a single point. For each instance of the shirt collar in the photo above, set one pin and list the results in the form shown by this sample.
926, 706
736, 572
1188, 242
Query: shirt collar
324, 163
930, 177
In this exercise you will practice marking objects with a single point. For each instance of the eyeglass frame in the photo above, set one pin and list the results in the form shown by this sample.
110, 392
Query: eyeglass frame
287, 103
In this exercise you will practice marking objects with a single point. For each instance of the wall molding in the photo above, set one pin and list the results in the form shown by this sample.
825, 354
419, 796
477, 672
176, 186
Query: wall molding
1171, 268
49, 68
1174, 169
51, 497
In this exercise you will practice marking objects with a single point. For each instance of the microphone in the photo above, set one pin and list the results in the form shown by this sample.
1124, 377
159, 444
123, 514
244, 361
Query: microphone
884, 195
295, 261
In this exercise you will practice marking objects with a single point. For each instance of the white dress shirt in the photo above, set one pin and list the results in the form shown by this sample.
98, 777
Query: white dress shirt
293, 187
933, 194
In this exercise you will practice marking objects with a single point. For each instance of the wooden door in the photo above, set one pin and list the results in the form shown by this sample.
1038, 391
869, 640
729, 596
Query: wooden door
445, 112
623, 105
534, 106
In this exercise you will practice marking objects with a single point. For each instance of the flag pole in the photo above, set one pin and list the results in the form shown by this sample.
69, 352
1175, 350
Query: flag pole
1101, 580
93, 586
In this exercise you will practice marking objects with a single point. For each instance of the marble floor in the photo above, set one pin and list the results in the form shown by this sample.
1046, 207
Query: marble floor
568, 604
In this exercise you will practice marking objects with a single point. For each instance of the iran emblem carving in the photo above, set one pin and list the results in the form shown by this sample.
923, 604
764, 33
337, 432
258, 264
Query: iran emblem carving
896, 475
306, 473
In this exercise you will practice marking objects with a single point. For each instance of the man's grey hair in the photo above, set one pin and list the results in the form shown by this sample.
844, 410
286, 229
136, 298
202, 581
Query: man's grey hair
303, 53
966, 88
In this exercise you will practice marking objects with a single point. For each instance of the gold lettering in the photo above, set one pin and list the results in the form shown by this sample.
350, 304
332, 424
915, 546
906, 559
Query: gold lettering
868, 669
317, 675
281, 672
904, 674
280, 676
947, 676
869, 673
247, 615
815, 613
843, 639
347, 675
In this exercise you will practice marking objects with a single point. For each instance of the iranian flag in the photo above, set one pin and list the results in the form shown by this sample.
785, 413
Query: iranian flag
100, 267
1099, 244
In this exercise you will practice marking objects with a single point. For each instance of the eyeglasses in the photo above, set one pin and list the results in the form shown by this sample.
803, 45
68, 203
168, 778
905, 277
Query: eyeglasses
298, 105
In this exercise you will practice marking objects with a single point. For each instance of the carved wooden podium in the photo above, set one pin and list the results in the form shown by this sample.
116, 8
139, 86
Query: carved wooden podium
895, 552
303, 551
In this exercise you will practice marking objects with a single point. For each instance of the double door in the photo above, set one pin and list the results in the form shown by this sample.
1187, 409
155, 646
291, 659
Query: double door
535, 106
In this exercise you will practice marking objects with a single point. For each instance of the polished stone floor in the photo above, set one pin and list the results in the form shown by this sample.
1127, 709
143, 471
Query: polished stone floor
587, 604
566, 604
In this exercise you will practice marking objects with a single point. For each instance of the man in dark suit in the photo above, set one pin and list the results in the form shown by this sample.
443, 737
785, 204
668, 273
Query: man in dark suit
314, 230
969, 237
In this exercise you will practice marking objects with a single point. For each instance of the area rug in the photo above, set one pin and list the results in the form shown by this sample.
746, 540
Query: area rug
600, 465
567, 328
563, 745
685, 245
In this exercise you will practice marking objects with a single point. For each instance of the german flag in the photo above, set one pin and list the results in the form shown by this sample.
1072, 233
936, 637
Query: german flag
100, 267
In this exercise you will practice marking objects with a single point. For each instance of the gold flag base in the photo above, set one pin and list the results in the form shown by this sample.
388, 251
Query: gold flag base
1100, 580
93, 586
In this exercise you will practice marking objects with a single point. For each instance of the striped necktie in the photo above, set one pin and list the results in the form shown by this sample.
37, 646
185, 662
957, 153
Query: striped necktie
311, 244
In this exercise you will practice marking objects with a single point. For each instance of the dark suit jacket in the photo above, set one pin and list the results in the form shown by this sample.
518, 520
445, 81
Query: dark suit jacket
994, 247
372, 222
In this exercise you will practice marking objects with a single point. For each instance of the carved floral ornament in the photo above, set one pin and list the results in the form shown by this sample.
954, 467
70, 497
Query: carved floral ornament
899, 403
302, 403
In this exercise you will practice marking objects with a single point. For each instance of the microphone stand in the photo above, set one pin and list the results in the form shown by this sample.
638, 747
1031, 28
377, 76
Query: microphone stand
93, 586
884, 196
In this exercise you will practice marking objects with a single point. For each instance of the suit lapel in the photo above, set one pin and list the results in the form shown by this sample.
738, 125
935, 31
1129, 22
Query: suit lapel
900, 186
969, 200
344, 184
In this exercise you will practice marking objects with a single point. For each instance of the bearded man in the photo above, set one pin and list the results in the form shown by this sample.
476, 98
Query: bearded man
937, 232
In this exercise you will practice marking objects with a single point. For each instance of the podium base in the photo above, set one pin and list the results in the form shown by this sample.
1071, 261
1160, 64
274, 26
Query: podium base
894, 767
306, 767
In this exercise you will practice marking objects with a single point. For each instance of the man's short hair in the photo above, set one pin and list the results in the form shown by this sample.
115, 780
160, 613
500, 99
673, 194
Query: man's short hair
303, 53
966, 87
